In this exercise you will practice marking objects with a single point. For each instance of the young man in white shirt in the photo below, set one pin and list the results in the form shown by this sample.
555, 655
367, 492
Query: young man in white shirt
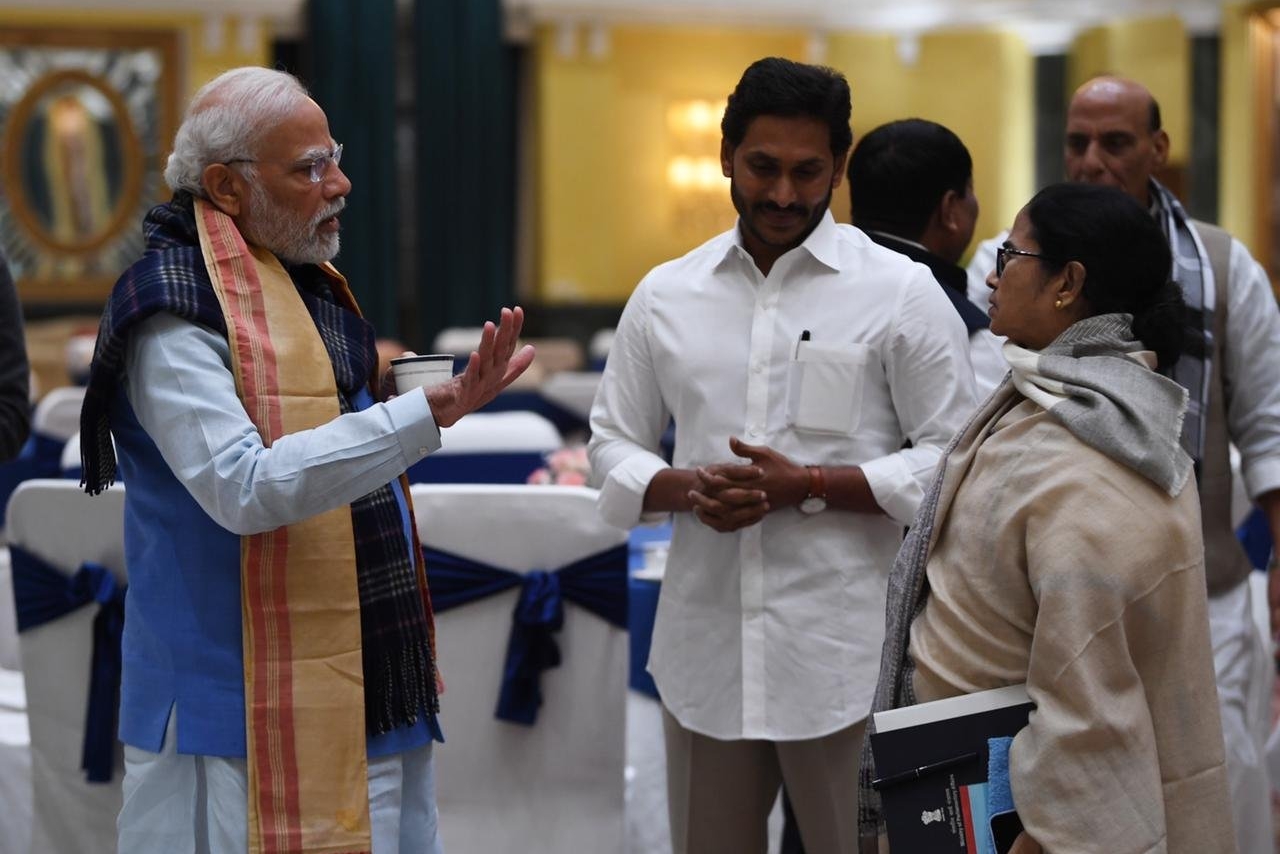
797, 358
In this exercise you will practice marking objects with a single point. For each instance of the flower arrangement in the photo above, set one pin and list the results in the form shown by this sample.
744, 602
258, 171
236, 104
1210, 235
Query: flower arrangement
565, 467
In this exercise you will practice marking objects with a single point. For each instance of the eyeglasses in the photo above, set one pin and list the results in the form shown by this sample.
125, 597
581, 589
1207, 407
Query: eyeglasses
316, 168
1003, 253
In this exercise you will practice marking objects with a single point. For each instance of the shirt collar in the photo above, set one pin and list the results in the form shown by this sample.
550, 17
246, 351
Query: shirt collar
822, 243
896, 239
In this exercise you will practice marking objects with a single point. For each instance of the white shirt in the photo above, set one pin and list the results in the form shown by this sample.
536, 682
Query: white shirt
1251, 360
774, 631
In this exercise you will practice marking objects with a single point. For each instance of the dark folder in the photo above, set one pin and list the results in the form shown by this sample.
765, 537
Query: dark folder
931, 771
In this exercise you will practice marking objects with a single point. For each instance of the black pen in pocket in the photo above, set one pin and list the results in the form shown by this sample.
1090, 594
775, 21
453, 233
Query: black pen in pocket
804, 336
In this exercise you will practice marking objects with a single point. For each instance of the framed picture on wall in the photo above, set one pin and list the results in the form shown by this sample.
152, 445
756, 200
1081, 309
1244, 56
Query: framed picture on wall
86, 119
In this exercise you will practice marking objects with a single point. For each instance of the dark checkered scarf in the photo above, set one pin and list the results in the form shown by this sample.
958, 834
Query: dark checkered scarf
1193, 272
395, 619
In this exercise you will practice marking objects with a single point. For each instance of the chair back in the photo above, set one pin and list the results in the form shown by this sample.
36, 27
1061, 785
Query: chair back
573, 390
57, 415
556, 785
57, 522
489, 447
599, 346
55, 419
70, 465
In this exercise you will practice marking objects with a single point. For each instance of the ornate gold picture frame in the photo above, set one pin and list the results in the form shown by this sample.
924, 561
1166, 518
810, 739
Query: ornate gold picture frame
86, 120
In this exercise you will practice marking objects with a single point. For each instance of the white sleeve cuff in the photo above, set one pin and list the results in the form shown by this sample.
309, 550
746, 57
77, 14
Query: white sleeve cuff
894, 487
1262, 476
414, 424
622, 493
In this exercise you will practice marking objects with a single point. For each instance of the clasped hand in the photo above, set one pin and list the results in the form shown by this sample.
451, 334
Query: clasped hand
730, 496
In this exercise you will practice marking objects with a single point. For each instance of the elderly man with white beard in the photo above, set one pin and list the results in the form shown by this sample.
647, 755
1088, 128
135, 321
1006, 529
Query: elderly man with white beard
279, 689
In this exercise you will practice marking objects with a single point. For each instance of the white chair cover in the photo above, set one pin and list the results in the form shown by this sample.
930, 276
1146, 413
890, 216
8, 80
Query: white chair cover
15, 766
482, 432
556, 786
9, 659
600, 344
56, 521
574, 390
458, 340
71, 454
57, 415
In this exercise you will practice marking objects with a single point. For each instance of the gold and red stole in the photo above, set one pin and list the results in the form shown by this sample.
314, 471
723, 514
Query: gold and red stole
304, 681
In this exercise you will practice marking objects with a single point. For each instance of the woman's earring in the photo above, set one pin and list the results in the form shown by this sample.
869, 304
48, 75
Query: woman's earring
1058, 304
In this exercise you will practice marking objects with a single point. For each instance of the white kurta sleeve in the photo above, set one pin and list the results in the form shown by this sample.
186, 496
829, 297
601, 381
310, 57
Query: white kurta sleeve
183, 393
1251, 374
932, 388
628, 418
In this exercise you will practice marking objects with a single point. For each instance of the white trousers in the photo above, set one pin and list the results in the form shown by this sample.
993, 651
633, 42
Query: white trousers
1245, 676
181, 804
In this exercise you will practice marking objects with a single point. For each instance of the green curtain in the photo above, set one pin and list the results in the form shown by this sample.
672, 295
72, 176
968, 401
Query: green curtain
348, 63
465, 153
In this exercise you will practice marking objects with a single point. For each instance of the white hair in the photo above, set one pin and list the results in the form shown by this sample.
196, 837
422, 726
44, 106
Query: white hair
226, 119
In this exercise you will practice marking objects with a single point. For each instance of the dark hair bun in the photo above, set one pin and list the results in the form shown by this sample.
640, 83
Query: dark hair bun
1161, 324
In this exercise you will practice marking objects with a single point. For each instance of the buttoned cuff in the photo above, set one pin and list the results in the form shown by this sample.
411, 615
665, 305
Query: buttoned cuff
1262, 476
895, 489
622, 493
414, 424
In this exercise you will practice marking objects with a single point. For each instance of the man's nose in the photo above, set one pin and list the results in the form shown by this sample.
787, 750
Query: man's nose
336, 182
1092, 159
783, 192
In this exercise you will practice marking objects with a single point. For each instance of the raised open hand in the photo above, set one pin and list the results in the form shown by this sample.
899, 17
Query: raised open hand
491, 368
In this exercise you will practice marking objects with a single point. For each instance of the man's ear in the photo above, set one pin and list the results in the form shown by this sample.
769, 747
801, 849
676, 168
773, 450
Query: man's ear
1160, 146
838, 167
225, 188
726, 158
946, 211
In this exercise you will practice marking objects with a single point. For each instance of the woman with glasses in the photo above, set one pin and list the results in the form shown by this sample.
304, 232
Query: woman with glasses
1059, 546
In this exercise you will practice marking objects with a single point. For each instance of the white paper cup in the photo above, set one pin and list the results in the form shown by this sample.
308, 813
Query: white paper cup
421, 371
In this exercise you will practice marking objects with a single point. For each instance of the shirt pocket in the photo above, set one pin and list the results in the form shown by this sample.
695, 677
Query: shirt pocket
825, 384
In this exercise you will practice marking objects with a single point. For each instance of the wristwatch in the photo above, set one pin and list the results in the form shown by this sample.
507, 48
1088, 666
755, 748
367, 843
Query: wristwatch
816, 500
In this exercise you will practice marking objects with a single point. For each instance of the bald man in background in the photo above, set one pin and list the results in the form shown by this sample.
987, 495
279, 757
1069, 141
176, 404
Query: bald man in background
1230, 367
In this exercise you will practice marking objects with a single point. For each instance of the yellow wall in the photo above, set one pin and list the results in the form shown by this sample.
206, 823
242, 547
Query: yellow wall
606, 214
605, 210
1153, 51
1238, 156
980, 84
201, 63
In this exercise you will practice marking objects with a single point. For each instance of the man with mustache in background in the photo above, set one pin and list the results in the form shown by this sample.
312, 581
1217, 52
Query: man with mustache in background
279, 688
797, 357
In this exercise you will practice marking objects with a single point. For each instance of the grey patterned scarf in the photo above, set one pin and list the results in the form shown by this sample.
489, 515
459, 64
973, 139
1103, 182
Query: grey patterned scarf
1194, 274
1094, 382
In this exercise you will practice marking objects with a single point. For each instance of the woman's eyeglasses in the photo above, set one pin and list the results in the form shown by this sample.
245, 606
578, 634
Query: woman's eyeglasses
1003, 253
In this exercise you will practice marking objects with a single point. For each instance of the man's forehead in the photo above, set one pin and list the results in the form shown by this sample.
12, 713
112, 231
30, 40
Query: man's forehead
1111, 104
301, 133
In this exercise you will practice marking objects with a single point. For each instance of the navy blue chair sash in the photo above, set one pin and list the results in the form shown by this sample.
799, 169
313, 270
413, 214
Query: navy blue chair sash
42, 593
597, 582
